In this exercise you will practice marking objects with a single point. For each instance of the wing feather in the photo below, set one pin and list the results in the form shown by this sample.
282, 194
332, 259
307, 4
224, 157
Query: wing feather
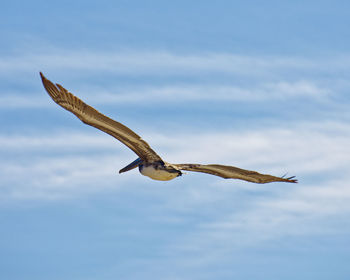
91, 116
231, 172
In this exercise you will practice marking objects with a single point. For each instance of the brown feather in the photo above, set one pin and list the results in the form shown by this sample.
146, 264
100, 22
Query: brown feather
231, 172
90, 116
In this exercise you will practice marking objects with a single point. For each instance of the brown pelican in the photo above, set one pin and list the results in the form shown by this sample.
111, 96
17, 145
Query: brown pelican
149, 162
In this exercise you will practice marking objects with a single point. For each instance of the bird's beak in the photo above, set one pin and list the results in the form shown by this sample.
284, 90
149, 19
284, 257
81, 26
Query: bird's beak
132, 165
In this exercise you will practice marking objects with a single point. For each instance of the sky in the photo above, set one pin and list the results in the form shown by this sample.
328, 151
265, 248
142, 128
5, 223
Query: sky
261, 86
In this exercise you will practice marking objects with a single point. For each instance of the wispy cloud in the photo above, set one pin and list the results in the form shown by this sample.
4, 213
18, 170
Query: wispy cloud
207, 77
305, 151
159, 62
133, 62
224, 224
204, 93
298, 211
179, 94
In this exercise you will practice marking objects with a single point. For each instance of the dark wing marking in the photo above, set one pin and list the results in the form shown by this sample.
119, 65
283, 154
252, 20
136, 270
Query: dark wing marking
90, 116
231, 172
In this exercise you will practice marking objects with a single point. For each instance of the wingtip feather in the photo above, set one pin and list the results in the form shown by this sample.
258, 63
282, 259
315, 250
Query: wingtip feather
42, 76
289, 179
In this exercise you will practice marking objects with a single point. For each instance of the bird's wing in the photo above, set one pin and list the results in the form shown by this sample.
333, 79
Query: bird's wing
231, 172
90, 116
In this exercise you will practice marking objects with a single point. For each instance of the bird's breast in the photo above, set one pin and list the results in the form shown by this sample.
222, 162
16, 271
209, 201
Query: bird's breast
157, 173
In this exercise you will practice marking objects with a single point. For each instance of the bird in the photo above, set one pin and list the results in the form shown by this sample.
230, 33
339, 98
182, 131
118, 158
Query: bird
149, 163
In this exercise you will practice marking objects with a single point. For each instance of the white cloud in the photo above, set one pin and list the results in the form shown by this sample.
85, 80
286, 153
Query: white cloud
134, 62
236, 219
70, 159
213, 77
57, 177
145, 62
175, 94
301, 210
19, 101
205, 93
61, 141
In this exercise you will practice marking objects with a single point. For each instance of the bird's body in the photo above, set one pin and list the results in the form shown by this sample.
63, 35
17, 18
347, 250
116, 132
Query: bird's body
159, 171
150, 164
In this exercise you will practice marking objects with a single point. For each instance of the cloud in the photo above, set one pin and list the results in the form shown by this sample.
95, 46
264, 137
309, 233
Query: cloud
298, 211
160, 63
217, 77
217, 93
133, 62
263, 216
172, 94
80, 160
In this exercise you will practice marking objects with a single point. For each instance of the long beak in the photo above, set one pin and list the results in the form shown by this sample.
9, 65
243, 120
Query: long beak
132, 165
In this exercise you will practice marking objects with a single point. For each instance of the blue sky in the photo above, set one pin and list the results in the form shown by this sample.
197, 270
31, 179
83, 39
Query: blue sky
259, 86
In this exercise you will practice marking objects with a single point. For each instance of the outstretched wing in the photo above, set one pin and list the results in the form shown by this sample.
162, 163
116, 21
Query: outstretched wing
90, 116
231, 172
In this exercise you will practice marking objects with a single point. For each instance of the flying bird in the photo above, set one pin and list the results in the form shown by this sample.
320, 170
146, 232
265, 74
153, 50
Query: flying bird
149, 162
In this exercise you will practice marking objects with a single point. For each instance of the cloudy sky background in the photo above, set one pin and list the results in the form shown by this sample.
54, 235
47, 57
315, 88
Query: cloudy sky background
262, 87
